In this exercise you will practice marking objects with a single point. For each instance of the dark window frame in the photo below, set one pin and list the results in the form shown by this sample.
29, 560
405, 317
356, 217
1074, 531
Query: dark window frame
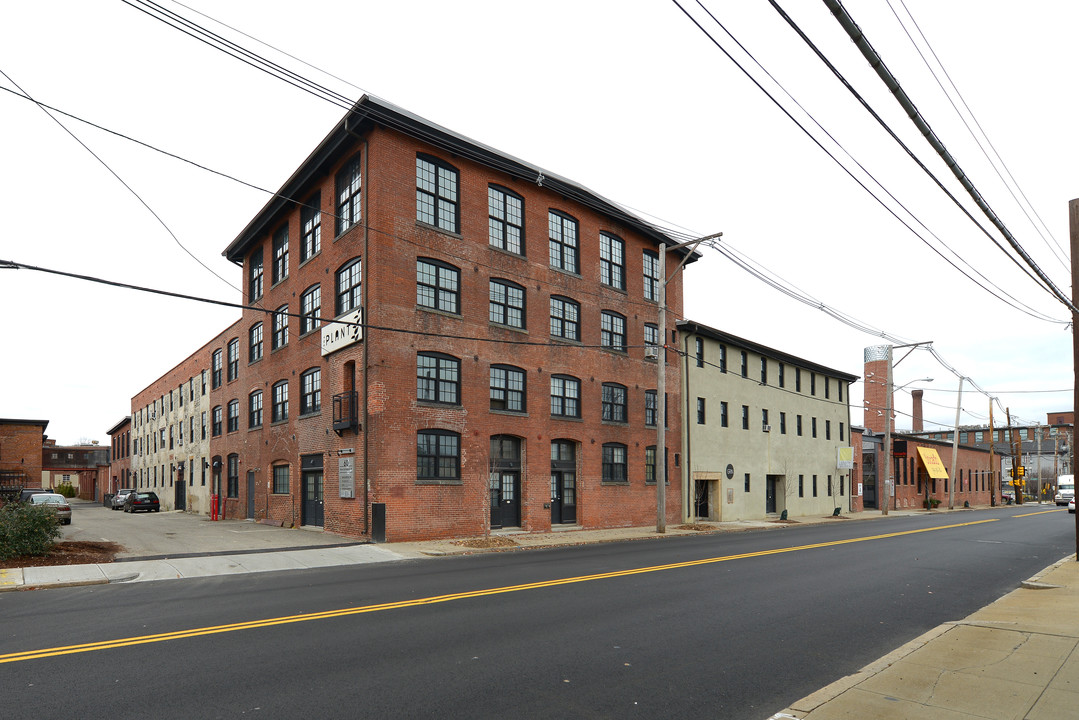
279, 401
348, 196
430, 466
348, 297
433, 285
505, 216
503, 309
612, 260
614, 403
311, 391
311, 227
436, 374
279, 269
310, 309
433, 200
614, 468
568, 404
508, 388
563, 252
560, 324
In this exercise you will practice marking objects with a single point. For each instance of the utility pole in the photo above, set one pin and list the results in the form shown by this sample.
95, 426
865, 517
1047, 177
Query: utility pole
955, 448
887, 435
992, 472
1073, 224
1038, 429
661, 386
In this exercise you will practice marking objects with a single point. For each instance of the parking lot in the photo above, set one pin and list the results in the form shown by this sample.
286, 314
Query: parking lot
173, 534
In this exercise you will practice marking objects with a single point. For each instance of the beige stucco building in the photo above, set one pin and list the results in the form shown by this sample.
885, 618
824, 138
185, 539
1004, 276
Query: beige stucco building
763, 430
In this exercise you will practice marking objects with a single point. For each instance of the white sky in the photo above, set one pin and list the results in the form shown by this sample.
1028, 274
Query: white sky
627, 97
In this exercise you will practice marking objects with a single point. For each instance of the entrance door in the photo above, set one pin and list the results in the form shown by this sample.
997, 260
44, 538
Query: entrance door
770, 494
250, 494
181, 494
563, 497
313, 506
701, 499
505, 499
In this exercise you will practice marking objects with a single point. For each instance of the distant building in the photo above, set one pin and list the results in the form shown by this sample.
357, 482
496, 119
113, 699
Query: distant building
84, 467
119, 456
764, 429
20, 453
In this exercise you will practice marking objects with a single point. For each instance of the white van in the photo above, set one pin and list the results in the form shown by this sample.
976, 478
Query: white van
1065, 489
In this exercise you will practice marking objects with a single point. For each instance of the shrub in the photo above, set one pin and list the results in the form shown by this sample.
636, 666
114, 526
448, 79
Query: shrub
930, 503
27, 530
66, 489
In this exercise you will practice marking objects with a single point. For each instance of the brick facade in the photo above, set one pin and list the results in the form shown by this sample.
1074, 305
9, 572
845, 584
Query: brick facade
20, 451
472, 331
120, 444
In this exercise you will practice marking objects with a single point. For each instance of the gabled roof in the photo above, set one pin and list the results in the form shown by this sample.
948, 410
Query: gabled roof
370, 111
695, 328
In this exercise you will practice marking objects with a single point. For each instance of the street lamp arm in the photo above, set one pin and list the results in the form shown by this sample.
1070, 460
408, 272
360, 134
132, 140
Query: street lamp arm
692, 245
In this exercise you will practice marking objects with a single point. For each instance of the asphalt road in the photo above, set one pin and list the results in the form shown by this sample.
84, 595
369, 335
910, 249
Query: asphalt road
724, 626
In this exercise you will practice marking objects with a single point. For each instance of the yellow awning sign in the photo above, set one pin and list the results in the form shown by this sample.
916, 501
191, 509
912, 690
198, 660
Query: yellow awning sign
932, 463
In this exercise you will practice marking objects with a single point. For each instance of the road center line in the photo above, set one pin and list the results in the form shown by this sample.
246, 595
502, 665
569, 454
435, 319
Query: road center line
345, 612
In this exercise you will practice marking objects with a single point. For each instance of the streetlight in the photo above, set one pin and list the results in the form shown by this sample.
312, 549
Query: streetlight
661, 364
888, 429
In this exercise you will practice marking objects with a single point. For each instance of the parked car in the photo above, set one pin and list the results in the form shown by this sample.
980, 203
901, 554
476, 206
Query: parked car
137, 501
121, 496
1065, 489
26, 493
55, 502
1071, 505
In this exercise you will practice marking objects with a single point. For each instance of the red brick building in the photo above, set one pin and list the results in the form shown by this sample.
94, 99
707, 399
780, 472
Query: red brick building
84, 467
119, 456
487, 365
20, 452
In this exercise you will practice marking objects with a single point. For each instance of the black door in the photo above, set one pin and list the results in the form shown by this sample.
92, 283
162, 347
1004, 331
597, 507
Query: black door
180, 499
250, 494
563, 497
700, 499
770, 494
312, 509
505, 499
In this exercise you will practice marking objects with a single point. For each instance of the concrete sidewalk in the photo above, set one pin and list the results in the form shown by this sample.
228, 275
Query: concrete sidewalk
1016, 658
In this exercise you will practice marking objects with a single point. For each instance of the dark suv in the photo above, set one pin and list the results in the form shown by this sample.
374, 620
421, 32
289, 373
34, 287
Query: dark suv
137, 501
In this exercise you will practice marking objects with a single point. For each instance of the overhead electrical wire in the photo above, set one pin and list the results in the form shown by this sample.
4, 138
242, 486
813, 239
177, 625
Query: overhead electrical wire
896, 90
1055, 247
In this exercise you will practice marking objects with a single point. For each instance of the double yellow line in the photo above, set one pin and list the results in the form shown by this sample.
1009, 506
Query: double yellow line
345, 612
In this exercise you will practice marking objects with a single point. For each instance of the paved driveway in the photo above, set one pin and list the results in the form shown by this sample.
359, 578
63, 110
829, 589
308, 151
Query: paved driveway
172, 534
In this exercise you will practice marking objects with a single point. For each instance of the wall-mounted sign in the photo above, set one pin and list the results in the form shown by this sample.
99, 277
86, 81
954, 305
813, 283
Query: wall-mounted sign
343, 332
730, 471
845, 458
346, 477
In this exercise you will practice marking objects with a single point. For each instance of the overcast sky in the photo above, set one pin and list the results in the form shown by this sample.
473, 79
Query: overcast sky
627, 97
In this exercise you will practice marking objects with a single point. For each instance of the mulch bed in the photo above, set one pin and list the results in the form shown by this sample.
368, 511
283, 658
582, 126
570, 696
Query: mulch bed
486, 542
72, 552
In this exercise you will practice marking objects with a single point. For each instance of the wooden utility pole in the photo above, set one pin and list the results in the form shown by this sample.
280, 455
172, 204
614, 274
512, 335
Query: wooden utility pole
992, 473
1073, 224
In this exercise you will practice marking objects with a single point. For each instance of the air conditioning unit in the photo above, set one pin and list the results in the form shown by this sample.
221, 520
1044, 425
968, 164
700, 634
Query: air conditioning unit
651, 352
767, 428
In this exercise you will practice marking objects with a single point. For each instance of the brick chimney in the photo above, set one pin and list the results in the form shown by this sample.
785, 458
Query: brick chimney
916, 411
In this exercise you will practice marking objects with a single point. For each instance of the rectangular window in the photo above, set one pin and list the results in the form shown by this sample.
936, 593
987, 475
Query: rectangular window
745, 417
280, 254
651, 408
827, 387
747, 482
562, 240
234, 359
280, 402
565, 396
505, 210
723, 413
311, 391
215, 373
723, 358
217, 421
612, 331
234, 476
280, 479
507, 388
829, 486
839, 384
565, 318
798, 426
699, 342
651, 276
812, 383
797, 379
234, 415
347, 185
438, 455
202, 425
311, 228
310, 309
764, 371
254, 280
254, 343
614, 462
801, 486
841, 433
827, 429
745, 364
349, 287
614, 402
254, 410
438, 286
782, 423
814, 486
700, 411
764, 420
612, 261
813, 423
507, 304
782, 378
438, 378
280, 327
436, 194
